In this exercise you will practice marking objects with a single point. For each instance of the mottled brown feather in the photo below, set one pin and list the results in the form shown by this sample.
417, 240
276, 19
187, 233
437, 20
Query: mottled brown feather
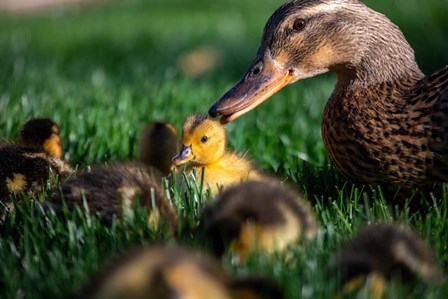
109, 190
385, 123
390, 251
172, 272
263, 203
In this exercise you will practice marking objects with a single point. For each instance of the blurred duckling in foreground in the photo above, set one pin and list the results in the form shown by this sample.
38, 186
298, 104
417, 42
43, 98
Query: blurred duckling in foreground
166, 273
33, 161
384, 252
116, 189
157, 146
257, 215
204, 147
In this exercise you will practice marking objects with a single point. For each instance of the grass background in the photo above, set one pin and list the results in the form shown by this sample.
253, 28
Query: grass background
102, 72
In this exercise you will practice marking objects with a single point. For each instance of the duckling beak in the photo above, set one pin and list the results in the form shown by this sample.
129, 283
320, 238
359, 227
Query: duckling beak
263, 79
185, 155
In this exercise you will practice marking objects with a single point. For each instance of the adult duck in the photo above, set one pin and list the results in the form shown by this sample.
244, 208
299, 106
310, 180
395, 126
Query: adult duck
385, 123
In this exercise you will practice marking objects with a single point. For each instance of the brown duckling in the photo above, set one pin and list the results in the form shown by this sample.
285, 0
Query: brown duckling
383, 252
204, 147
157, 146
35, 160
115, 189
41, 134
257, 215
385, 122
165, 272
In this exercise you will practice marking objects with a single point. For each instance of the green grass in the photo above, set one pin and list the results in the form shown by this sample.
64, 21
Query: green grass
103, 72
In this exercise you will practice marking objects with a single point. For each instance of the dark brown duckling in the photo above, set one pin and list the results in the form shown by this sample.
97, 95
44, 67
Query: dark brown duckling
164, 273
115, 189
383, 252
385, 123
157, 145
41, 134
257, 215
34, 161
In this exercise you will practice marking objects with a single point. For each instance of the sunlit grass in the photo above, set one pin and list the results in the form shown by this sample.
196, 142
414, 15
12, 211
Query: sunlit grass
102, 73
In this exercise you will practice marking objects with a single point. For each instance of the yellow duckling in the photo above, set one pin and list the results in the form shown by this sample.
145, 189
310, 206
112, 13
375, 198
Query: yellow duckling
116, 189
164, 273
257, 215
157, 146
35, 160
383, 252
204, 146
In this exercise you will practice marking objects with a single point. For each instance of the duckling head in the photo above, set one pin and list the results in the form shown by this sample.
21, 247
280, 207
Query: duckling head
203, 141
157, 145
305, 38
260, 215
41, 134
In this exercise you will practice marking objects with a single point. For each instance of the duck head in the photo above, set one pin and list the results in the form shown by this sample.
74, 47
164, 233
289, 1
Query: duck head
305, 38
203, 141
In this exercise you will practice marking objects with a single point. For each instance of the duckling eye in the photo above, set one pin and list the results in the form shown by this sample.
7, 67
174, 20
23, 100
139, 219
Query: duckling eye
299, 24
204, 139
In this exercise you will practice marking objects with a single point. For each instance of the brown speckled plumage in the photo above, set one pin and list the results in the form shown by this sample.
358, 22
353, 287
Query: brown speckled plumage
385, 123
110, 190
389, 251
34, 161
391, 133
33, 167
278, 214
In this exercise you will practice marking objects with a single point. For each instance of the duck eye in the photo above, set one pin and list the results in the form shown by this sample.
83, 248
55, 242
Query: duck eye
204, 139
299, 24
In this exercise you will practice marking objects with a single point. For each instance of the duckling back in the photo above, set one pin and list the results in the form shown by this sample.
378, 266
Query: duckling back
34, 161
384, 252
27, 170
232, 169
158, 145
173, 272
160, 272
113, 190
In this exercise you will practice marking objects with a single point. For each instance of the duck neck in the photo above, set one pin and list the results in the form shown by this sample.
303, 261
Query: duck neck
376, 71
379, 55
208, 163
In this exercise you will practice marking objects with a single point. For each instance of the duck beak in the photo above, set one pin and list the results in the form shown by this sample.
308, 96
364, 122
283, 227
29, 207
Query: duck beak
263, 79
185, 155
